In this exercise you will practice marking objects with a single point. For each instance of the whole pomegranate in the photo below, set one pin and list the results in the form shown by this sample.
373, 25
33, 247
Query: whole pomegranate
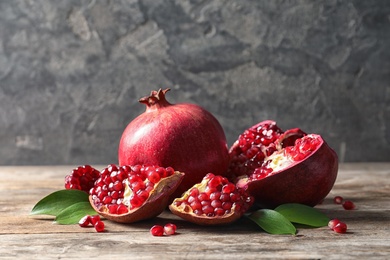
279, 167
183, 136
128, 194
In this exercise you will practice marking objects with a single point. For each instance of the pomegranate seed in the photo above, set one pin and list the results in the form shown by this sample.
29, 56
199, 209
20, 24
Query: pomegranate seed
95, 219
338, 200
169, 229
85, 221
332, 223
348, 205
157, 230
121, 209
340, 227
99, 226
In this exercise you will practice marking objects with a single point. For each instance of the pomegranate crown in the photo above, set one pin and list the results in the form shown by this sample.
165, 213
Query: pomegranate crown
155, 99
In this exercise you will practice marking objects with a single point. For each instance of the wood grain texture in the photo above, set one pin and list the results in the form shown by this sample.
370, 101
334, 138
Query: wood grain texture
22, 236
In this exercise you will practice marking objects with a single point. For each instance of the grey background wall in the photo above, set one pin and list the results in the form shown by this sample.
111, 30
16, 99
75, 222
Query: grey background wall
71, 72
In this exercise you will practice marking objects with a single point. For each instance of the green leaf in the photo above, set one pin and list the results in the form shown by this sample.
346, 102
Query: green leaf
272, 222
73, 213
302, 214
57, 201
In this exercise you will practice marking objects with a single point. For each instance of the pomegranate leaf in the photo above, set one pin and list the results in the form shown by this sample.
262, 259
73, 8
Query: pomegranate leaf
73, 213
302, 214
57, 201
272, 222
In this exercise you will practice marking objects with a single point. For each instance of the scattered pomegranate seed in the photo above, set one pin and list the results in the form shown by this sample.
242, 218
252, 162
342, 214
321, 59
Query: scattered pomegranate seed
99, 226
340, 227
85, 221
332, 223
95, 219
338, 200
348, 205
169, 229
157, 230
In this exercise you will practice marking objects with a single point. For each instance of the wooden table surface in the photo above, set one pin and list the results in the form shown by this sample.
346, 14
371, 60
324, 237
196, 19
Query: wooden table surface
21, 236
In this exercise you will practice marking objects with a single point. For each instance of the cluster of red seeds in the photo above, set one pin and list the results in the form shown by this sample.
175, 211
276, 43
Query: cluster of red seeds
254, 146
109, 189
167, 230
217, 199
95, 221
82, 178
335, 224
302, 147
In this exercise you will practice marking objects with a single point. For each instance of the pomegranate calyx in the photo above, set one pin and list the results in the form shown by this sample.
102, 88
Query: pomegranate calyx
155, 100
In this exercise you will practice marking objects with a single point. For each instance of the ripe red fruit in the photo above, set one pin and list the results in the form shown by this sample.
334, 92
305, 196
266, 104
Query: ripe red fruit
125, 194
183, 136
82, 178
157, 230
214, 201
279, 167
169, 229
348, 205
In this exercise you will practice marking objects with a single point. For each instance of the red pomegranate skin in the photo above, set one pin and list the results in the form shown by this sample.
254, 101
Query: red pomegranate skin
306, 182
183, 136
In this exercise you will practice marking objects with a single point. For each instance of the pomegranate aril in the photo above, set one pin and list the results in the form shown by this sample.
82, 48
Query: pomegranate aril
121, 209
348, 205
95, 219
338, 199
157, 230
99, 226
169, 229
85, 221
340, 227
154, 176
332, 223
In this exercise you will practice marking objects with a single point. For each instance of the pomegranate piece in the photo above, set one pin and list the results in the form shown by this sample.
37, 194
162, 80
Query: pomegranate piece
82, 178
340, 227
128, 194
214, 201
183, 136
333, 222
348, 205
169, 229
99, 226
338, 200
85, 221
279, 167
157, 230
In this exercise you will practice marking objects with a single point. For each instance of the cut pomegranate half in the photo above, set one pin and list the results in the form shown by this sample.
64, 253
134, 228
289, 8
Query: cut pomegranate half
279, 167
128, 194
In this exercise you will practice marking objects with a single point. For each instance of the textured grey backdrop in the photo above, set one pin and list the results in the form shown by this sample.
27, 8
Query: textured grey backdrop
71, 72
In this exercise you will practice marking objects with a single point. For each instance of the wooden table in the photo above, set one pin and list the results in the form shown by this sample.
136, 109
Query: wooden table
21, 236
